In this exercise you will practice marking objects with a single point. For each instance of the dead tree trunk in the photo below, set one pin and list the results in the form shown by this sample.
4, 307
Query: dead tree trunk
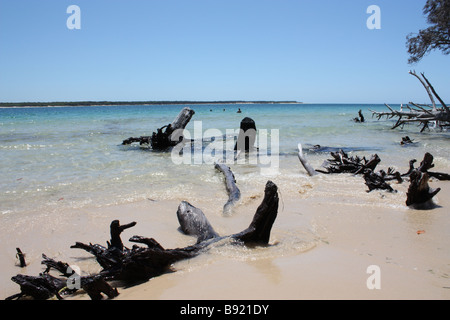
170, 137
247, 135
234, 194
21, 258
360, 117
420, 113
419, 193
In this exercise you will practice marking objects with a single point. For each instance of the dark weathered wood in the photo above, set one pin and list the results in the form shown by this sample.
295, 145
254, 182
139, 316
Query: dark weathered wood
142, 263
40, 287
167, 136
342, 163
21, 258
259, 230
425, 165
116, 229
94, 285
234, 194
406, 141
247, 135
139, 263
419, 192
376, 181
142, 140
360, 117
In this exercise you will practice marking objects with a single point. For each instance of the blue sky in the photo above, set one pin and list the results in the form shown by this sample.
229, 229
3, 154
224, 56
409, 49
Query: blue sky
312, 51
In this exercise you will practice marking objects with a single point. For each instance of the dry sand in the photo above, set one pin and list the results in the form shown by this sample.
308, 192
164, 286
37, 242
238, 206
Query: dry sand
321, 246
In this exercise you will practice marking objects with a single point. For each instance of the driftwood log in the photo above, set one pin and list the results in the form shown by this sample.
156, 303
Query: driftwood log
422, 114
167, 136
234, 194
142, 263
309, 169
419, 193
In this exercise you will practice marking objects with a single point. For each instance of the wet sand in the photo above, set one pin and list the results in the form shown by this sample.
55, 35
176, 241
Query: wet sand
320, 248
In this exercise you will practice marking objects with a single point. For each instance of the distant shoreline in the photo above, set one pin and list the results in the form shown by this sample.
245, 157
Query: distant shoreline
121, 103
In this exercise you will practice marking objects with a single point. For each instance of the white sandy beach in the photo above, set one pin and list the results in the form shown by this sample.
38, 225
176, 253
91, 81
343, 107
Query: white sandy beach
320, 246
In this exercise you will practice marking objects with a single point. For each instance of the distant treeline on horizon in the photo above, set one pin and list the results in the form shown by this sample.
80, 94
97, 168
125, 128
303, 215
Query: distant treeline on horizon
112, 103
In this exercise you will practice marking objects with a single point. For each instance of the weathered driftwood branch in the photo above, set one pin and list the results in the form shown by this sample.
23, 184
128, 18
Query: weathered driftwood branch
377, 181
419, 190
171, 136
142, 263
425, 165
309, 169
342, 163
419, 193
419, 114
116, 229
46, 286
234, 194
194, 222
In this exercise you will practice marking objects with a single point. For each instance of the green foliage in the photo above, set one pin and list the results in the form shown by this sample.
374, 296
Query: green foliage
436, 36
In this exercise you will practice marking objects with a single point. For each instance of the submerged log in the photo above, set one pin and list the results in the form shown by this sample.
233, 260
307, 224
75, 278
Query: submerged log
247, 135
170, 137
406, 140
234, 194
360, 117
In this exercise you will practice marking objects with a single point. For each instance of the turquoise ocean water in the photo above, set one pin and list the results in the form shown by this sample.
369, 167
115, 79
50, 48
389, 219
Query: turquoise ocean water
72, 157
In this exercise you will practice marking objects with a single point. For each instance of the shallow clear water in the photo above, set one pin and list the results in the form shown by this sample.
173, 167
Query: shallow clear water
59, 157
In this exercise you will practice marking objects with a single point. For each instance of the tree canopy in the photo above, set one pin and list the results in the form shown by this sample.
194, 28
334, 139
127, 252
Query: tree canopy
436, 36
